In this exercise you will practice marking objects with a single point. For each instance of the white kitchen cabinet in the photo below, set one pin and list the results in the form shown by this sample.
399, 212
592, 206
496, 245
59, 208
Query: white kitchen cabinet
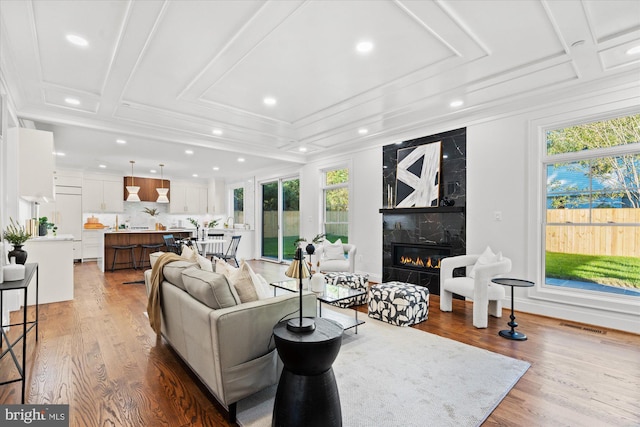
92, 244
187, 198
66, 213
102, 195
36, 163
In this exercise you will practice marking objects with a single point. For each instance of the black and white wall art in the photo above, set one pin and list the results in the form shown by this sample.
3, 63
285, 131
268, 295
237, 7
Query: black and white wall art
418, 176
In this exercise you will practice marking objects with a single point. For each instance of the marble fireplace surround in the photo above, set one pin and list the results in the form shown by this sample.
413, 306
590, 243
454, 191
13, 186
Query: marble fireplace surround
441, 226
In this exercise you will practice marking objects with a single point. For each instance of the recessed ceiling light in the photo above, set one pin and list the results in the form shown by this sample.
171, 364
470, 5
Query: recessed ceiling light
195, 175
634, 50
269, 101
72, 101
241, 159
188, 151
58, 153
121, 141
102, 166
364, 47
363, 131
217, 132
215, 168
152, 170
302, 149
77, 40
456, 103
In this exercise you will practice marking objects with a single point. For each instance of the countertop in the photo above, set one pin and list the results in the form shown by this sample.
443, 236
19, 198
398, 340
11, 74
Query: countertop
168, 231
58, 238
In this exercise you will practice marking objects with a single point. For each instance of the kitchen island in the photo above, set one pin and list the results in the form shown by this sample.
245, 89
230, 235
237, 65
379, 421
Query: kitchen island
135, 237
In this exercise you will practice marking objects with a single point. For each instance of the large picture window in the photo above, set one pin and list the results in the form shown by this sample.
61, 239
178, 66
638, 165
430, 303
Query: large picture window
336, 204
592, 229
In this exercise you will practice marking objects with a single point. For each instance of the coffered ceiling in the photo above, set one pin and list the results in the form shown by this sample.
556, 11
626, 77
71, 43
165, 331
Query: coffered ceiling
170, 76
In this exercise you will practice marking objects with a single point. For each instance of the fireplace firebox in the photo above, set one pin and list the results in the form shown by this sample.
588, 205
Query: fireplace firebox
421, 257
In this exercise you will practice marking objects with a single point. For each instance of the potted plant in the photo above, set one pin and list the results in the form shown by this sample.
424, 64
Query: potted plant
310, 248
153, 212
16, 235
43, 225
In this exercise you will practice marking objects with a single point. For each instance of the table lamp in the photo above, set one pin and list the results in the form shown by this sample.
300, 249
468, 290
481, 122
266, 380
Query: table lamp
299, 270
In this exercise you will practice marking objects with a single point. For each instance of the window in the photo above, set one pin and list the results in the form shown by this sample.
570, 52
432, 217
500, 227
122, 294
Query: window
592, 229
238, 205
336, 204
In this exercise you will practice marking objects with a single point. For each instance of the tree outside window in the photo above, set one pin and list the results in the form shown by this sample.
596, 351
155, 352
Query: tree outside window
336, 204
592, 238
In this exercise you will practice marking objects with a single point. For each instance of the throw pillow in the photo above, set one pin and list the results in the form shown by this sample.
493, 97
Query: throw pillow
240, 279
487, 257
204, 263
334, 250
189, 254
209, 288
261, 285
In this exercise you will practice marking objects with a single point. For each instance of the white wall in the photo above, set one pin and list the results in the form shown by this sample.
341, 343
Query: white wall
503, 175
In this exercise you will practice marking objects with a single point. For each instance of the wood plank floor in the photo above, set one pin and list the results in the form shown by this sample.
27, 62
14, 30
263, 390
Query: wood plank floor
98, 354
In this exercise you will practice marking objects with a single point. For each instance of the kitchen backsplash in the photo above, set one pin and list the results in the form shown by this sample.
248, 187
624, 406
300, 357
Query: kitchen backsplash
134, 216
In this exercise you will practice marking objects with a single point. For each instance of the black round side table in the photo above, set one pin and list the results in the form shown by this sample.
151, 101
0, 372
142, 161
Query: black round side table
519, 283
307, 394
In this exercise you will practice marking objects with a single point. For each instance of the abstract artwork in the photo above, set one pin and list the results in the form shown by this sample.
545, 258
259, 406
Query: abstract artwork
418, 176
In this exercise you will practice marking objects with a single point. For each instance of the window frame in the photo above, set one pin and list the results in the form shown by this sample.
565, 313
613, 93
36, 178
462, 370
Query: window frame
324, 187
537, 207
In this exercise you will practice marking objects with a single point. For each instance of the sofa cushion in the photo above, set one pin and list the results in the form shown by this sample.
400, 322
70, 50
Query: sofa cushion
173, 272
154, 257
211, 289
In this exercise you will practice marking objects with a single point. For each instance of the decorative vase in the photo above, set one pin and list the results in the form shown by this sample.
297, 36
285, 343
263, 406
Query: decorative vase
19, 254
310, 249
42, 230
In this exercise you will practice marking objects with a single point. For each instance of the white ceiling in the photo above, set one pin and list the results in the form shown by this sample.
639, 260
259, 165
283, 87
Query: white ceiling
164, 74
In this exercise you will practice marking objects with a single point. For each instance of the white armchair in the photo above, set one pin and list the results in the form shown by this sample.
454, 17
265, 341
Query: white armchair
347, 264
487, 296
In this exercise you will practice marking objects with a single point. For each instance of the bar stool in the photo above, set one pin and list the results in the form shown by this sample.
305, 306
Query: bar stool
144, 252
116, 248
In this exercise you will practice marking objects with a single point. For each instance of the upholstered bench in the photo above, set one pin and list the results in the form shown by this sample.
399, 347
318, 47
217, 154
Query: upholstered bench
398, 303
350, 280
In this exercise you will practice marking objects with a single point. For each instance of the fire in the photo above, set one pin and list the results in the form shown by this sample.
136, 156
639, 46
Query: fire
418, 262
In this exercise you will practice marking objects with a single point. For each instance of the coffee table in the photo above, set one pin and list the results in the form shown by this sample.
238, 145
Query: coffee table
329, 295
332, 294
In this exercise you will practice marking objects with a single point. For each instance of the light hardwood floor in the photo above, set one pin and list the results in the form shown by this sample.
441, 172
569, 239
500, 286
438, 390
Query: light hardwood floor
98, 354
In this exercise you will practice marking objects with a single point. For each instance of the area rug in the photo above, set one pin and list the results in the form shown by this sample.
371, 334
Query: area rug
394, 376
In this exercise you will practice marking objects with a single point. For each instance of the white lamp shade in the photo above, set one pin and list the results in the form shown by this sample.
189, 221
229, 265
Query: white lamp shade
133, 193
162, 195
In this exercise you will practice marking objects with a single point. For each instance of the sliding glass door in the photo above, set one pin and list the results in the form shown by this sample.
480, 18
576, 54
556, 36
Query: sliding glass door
280, 218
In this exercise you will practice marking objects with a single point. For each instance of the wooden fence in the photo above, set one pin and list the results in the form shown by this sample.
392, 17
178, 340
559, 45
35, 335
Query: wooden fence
292, 221
602, 234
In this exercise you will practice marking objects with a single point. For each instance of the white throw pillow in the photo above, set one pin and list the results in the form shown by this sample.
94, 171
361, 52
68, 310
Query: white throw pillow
334, 250
205, 264
189, 254
487, 257
260, 286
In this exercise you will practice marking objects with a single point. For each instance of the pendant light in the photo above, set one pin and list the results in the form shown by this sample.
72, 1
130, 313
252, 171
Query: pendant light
162, 192
132, 189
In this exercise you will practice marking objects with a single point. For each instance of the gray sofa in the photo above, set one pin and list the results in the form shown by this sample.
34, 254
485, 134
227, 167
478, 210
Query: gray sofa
227, 344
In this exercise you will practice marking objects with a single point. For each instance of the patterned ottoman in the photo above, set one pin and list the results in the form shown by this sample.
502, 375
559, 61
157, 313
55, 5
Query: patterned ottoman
401, 304
350, 280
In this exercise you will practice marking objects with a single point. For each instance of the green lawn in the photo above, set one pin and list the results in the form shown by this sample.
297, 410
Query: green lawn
270, 248
606, 270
